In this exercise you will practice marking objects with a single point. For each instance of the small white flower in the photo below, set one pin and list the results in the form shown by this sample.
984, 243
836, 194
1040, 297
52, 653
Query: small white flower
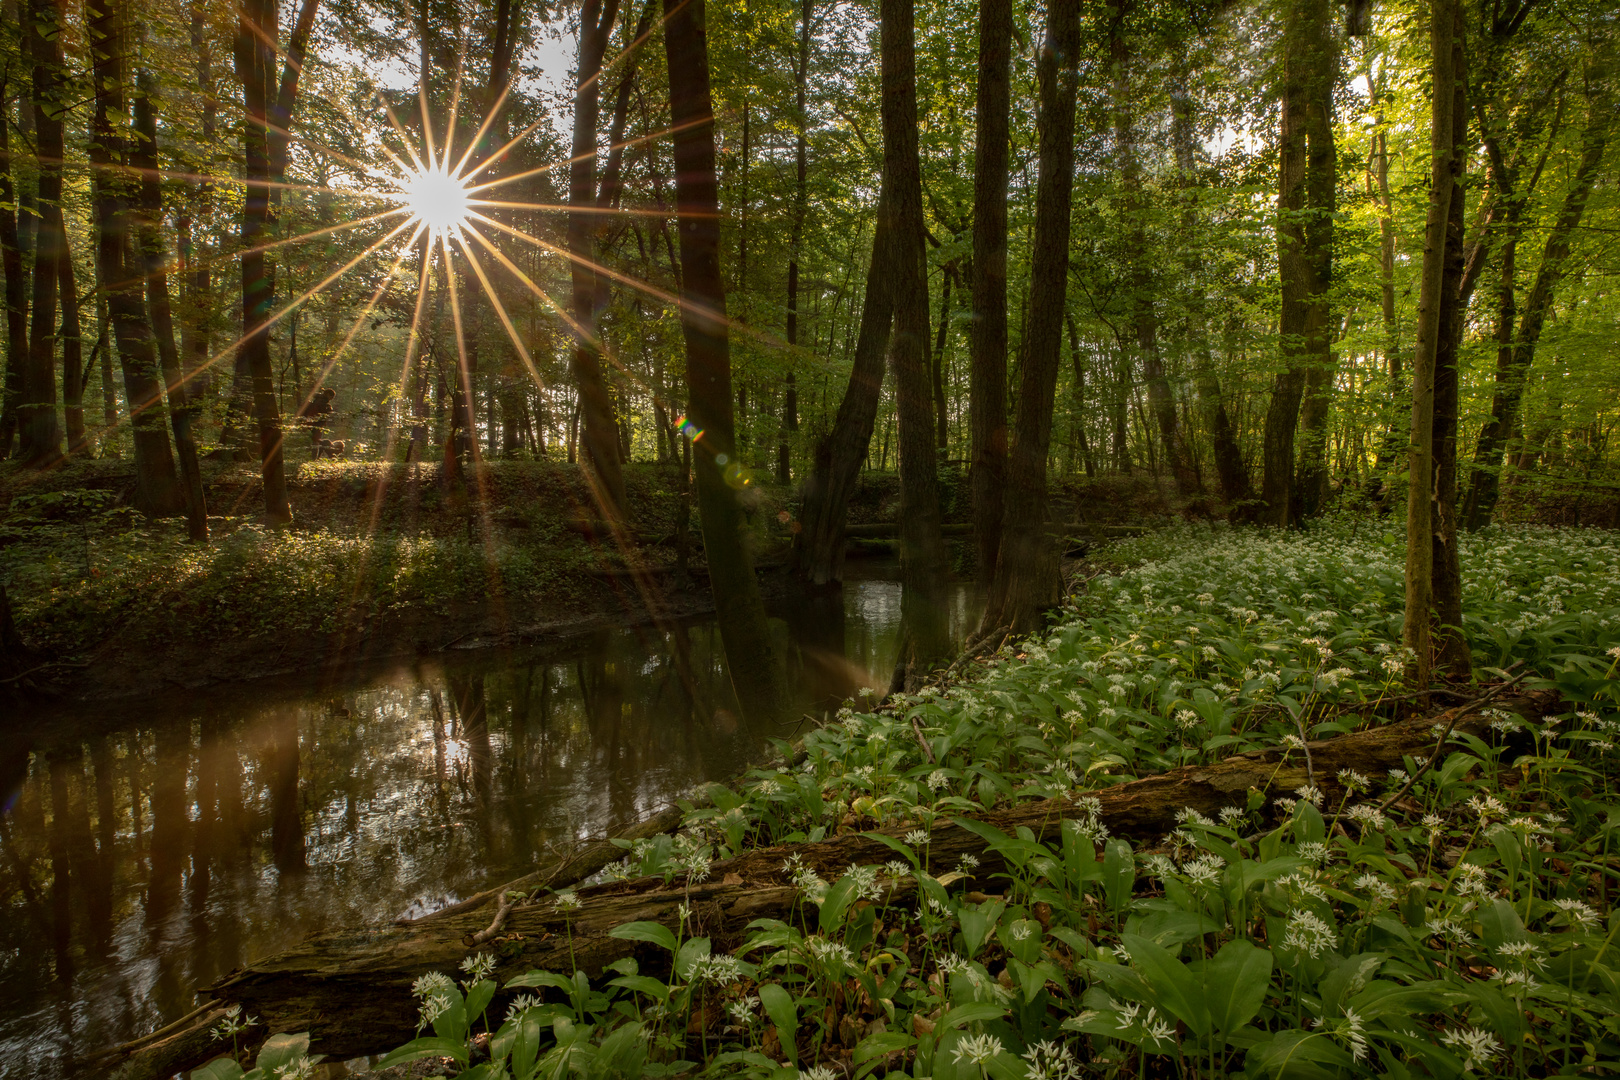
1308, 933
1580, 913
478, 966
522, 1004
1474, 1046
1354, 781
567, 901
431, 983
917, 837
977, 1050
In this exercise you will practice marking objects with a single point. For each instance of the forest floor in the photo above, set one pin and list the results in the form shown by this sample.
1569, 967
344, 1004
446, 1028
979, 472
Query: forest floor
1444, 906
381, 562
385, 561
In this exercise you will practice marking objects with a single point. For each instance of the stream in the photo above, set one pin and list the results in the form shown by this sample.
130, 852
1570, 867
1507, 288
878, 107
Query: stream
149, 848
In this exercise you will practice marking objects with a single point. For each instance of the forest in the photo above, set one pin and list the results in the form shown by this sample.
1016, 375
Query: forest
809, 538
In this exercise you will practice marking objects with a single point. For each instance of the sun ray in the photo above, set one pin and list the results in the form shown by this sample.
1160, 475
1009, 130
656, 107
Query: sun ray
734, 325
624, 145
427, 120
455, 105
399, 129
564, 208
463, 376
544, 297
299, 300
483, 129
370, 304
500, 311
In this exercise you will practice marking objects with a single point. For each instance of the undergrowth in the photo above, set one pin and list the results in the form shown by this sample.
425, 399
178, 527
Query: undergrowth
1467, 929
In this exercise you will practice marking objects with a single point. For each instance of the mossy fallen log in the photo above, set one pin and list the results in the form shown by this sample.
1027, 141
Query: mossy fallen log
351, 989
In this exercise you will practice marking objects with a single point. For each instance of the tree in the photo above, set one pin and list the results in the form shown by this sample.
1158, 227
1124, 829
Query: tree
922, 546
757, 672
801, 206
987, 371
600, 426
1446, 47
40, 438
153, 262
1305, 204
1026, 578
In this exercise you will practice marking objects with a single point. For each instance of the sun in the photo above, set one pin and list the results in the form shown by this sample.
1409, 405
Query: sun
436, 199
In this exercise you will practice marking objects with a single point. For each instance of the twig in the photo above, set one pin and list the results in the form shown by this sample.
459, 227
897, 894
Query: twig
495, 926
1456, 714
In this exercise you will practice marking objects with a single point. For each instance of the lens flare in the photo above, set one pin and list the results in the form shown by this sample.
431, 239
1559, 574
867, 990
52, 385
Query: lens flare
437, 199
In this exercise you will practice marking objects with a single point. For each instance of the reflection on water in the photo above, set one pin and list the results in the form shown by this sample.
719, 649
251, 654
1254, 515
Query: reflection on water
145, 856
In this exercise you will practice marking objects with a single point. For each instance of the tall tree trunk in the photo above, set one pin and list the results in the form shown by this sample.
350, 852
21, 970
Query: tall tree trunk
801, 205
1304, 236
40, 437
196, 301
1515, 353
153, 261
1026, 580
1389, 444
1451, 653
1416, 627
258, 32
922, 545
16, 296
987, 342
74, 372
1143, 289
825, 504
942, 439
157, 485
600, 426
757, 672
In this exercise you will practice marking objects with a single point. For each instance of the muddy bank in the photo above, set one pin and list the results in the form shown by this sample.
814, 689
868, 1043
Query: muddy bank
120, 671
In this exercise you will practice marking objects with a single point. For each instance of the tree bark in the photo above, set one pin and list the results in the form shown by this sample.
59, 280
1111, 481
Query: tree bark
801, 206
74, 372
1451, 653
40, 437
819, 552
152, 259
1416, 627
987, 341
16, 295
1304, 237
757, 671
600, 427
1026, 580
922, 549
258, 32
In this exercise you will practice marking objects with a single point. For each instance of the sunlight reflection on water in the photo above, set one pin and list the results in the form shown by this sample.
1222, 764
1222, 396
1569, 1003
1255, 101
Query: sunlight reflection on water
146, 855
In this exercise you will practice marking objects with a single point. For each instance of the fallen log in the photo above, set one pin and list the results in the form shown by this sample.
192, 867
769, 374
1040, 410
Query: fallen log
351, 989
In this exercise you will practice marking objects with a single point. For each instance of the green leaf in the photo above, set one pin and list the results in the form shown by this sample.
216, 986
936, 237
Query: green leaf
784, 1013
657, 933
279, 1050
221, 1068
432, 1046
1173, 984
1119, 873
1237, 979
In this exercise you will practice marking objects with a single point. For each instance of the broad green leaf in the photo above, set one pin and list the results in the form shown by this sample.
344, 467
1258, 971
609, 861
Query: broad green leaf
1237, 979
1173, 983
784, 1013
657, 933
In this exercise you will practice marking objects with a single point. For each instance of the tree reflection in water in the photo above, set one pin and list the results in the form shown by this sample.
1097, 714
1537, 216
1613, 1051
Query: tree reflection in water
143, 854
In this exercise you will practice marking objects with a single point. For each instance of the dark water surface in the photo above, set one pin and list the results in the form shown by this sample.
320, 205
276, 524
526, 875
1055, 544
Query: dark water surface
147, 850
